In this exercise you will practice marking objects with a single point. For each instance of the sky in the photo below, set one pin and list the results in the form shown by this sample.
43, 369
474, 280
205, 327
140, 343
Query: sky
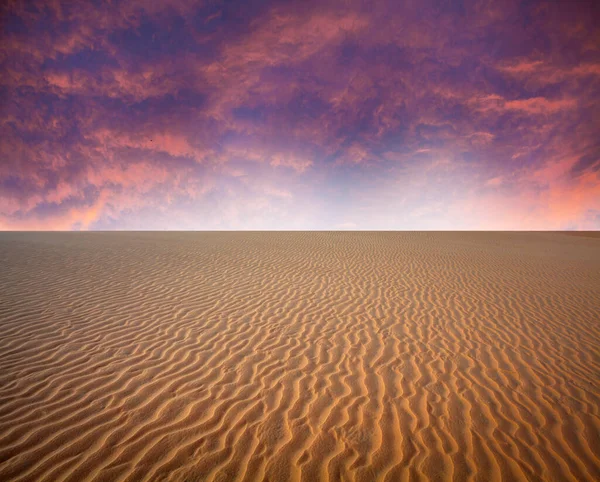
268, 115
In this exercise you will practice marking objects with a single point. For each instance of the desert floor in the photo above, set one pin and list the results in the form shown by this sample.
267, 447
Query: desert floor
299, 356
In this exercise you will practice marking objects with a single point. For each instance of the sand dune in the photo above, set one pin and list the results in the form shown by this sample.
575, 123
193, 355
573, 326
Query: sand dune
299, 356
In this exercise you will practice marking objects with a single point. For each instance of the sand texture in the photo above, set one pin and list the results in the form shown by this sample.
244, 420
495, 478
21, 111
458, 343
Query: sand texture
299, 356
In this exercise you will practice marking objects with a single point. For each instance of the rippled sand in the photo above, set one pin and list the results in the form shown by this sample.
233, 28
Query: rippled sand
299, 356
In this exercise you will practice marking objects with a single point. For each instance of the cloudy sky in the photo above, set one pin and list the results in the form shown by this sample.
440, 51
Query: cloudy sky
258, 114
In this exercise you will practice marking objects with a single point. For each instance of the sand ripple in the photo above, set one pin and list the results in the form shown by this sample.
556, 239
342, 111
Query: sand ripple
299, 356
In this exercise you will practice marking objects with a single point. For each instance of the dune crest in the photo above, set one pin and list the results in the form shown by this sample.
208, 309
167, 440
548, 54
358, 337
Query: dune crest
299, 356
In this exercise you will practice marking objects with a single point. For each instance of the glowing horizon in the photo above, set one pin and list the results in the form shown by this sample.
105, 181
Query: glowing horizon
264, 115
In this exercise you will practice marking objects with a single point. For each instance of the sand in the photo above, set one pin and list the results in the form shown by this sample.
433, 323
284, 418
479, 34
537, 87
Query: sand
299, 356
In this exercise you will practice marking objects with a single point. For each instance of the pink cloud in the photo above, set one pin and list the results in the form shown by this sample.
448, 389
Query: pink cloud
297, 164
168, 142
74, 218
531, 106
495, 181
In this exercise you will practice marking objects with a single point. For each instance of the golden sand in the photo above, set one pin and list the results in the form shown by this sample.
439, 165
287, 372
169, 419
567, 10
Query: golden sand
299, 356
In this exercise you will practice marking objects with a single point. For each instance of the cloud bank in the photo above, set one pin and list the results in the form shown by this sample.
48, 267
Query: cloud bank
300, 115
